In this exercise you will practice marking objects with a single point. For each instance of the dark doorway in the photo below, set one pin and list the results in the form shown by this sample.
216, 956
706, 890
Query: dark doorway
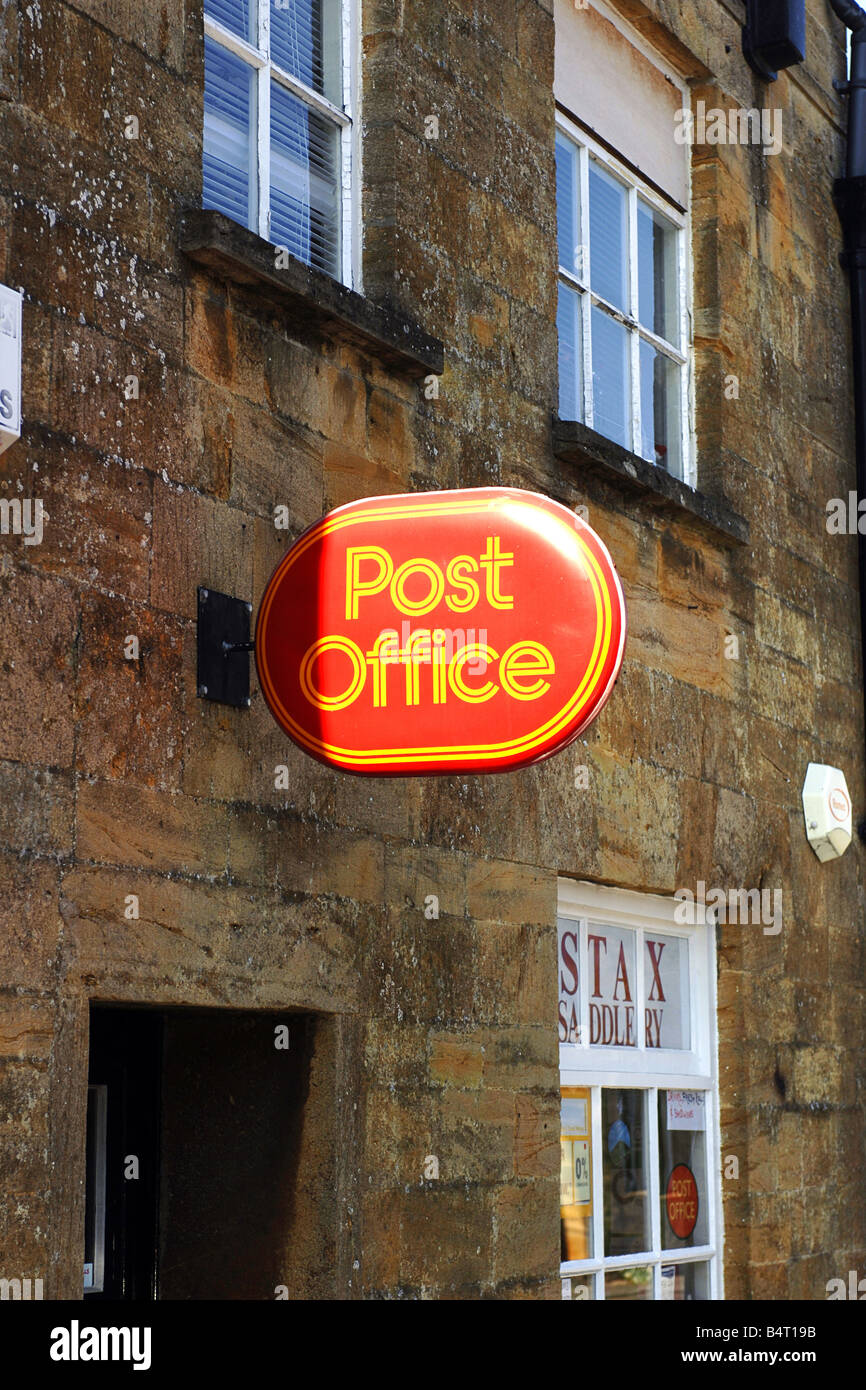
121, 1206
195, 1120
232, 1121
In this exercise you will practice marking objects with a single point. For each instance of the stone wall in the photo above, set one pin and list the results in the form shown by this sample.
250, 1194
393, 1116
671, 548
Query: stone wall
118, 780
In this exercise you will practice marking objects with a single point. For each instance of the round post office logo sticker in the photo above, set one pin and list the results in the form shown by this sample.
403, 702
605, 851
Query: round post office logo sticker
681, 1197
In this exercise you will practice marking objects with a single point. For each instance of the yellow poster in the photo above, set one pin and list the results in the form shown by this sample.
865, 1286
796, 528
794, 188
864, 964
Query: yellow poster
575, 1173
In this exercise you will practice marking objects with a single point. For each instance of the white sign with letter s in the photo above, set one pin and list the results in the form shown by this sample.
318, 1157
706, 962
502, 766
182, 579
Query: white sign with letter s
10, 366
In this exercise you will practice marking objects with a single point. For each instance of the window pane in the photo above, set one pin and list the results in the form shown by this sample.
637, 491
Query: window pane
94, 1198
611, 955
575, 1176
567, 205
666, 986
608, 221
610, 378
305, 209
681, 1282
305, 41
626, 1210
228, 172
683, 1198
629, 1284
233, 14
660, 409
569, 982
658, 300
579, 1287
568, 323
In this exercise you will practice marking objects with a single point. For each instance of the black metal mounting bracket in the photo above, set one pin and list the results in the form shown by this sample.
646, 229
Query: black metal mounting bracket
754, 59
223, 648
774, 36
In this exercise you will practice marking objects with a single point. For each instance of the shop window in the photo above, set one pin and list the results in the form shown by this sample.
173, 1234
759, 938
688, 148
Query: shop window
623, 311
639, 1182
278, 126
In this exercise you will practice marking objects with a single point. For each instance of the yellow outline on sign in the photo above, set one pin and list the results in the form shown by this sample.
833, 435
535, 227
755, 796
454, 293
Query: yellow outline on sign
437, 753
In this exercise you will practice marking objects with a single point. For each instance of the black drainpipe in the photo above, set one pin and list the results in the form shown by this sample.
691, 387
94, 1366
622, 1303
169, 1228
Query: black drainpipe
849, 195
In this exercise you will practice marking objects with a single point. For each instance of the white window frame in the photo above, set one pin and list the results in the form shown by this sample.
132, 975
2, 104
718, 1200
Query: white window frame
97, 1174
648, 1069
257, 56
588, 147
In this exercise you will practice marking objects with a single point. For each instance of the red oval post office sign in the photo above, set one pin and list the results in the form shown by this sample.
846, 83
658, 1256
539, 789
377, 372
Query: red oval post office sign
441, 632
682, 1200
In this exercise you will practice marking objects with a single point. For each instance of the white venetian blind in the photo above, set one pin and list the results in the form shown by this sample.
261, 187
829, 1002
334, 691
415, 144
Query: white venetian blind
296, 40
228, 171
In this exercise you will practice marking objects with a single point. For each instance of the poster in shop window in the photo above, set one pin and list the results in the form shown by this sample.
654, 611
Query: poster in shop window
575, 1173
